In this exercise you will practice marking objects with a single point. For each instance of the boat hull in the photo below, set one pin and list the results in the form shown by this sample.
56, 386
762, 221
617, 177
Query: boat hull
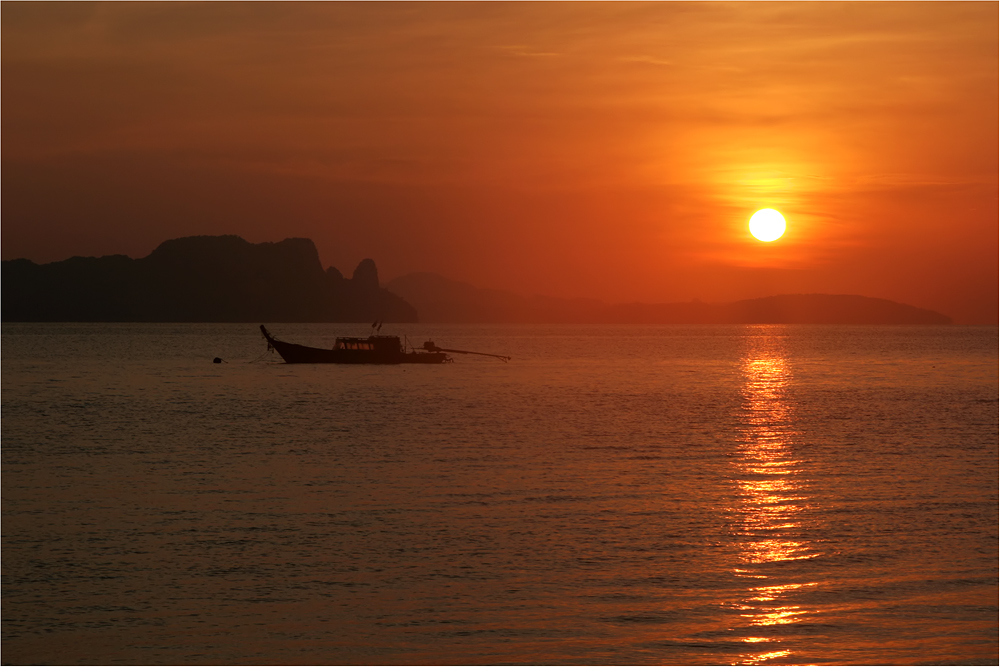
294, 353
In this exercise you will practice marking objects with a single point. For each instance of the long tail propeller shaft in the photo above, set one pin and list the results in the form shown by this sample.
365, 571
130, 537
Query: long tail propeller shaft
431, 347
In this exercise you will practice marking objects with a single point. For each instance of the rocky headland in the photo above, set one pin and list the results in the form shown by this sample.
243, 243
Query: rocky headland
200, 279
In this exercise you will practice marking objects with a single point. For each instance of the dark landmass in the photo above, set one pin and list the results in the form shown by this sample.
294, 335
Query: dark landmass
199, 279
445, 300
227, 279
439, 299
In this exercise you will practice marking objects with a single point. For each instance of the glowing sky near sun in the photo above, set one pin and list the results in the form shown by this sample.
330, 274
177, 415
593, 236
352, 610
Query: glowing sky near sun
606, 150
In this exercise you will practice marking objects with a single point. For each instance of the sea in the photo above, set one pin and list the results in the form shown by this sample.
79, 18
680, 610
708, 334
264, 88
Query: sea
614, 495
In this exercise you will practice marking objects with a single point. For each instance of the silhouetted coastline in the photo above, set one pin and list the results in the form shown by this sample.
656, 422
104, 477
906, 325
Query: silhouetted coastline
200, 279
227, 279
438, 299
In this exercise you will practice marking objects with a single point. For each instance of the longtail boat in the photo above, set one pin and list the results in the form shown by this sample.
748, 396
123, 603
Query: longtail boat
372, 349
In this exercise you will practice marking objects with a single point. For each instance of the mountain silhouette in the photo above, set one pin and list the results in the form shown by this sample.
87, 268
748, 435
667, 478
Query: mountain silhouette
445, 300
227, 279
199, 279
438, 299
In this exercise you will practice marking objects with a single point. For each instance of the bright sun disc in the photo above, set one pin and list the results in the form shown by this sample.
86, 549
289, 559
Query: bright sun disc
767, 225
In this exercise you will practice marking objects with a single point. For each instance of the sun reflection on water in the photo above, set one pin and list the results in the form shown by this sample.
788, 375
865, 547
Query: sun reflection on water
761, 658
771, 500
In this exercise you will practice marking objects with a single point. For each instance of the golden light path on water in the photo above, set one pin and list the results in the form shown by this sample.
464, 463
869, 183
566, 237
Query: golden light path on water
771, 500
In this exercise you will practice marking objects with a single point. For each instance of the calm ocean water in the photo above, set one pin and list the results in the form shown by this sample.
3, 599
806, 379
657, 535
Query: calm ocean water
614, 495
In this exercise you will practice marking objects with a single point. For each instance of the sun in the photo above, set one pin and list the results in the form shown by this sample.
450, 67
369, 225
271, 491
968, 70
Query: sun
767, 225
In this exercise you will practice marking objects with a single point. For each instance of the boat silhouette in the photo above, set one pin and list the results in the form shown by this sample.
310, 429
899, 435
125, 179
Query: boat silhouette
373, 349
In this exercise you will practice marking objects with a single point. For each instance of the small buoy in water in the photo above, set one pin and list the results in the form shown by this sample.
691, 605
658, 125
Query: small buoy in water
217, 361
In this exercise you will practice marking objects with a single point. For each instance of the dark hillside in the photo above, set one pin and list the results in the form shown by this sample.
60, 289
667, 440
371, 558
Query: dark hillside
199, 279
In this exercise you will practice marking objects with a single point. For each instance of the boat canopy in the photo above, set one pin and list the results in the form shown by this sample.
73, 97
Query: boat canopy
371, 343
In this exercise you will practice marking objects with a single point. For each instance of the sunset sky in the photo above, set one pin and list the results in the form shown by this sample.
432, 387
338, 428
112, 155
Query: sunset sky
612, 150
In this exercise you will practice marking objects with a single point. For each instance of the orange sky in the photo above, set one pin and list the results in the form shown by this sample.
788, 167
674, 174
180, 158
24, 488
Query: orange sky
605, 150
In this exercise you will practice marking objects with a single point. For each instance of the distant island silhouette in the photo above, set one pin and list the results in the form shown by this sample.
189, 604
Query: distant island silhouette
200, 279
227, 279
438, 299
